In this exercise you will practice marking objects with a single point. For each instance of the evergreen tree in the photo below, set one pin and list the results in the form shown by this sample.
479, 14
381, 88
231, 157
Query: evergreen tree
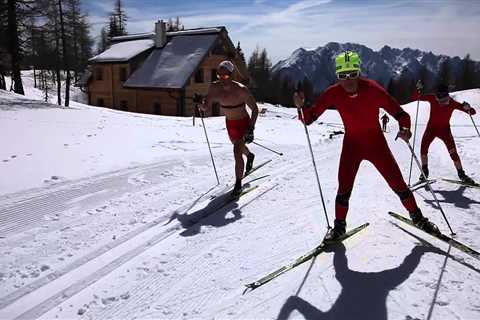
85, 44
4, 52
14, 44
308, 90
120, 19
444, 74
391, 88
103, 42
259, 67
467, 74
275, 93
423, 76
240, 53
66, 66
287, 93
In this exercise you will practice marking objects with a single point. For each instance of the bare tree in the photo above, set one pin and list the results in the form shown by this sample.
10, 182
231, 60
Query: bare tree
14, 46
65, 56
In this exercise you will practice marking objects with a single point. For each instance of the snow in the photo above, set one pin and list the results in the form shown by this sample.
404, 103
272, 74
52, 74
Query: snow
172, 65
127, 229
193, 31
135, 36
123, 51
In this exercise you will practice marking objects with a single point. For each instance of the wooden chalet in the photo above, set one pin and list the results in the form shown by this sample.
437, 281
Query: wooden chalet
159, 72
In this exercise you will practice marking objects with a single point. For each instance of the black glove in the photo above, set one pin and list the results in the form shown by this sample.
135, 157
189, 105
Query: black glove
249, 135
468, 108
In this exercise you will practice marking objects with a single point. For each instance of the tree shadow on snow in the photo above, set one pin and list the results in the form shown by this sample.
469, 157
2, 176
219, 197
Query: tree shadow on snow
363, 293
455, 197
215, 214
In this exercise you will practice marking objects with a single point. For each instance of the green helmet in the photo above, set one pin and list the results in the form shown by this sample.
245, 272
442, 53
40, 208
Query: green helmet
347, 61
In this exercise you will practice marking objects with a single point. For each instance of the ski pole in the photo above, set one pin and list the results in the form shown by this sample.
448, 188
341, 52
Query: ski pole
430, 189
414, 138
208, 142
474, 125
315, 168
258, 144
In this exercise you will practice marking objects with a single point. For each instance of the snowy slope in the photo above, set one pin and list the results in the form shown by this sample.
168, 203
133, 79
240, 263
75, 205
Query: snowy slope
129, 231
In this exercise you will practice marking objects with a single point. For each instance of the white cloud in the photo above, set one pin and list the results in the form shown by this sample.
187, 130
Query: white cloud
438, 26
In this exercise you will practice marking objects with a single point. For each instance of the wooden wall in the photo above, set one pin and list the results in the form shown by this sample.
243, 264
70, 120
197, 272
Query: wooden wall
154, 101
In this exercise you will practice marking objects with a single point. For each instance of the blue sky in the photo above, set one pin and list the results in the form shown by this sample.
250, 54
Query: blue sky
281, 26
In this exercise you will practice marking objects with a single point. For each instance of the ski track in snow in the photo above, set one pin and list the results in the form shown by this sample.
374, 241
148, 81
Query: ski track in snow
120, 245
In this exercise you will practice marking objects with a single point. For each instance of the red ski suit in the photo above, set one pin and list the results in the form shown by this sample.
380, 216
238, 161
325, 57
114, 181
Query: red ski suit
438, 125
363, 139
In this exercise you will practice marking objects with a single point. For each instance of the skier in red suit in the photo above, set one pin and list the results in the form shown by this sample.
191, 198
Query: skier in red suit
358, 101
438, 126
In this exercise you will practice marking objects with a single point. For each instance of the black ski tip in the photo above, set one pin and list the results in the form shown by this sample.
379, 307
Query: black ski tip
250, 287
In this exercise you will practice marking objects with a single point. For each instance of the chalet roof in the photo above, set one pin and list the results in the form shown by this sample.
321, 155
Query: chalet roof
124, 51
168, 67
173, 65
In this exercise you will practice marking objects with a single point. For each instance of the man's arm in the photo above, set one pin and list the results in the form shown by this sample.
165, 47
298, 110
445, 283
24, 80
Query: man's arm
252, 104
395, 110
209, 99
321, 104
465, 107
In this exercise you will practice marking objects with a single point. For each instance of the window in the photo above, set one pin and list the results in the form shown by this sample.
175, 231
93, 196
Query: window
99, 74
123, 74
213, 76
157, 108
199, 76
100, 102
123, 105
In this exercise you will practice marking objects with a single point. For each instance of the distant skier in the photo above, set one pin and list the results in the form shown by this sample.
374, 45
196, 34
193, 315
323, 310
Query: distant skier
385, 120
232, 97
438, 126
358, 101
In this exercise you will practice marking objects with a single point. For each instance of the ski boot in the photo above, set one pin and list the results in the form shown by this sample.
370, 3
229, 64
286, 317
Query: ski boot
338, 230
425, 171
249, 165
421, 222
237, 190
466, 179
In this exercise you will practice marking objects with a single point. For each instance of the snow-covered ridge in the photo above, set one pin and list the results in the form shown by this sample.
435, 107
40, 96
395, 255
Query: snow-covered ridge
317, 65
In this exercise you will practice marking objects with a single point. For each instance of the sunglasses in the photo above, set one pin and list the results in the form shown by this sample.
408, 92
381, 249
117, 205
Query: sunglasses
224, 76
348, 75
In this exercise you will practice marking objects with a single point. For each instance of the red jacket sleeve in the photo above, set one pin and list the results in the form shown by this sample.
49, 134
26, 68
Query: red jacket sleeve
324, 101
459, 106
393, 108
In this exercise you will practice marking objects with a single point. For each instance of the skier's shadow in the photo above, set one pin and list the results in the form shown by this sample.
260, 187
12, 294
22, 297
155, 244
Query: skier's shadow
363, 294
214, 214
455, 197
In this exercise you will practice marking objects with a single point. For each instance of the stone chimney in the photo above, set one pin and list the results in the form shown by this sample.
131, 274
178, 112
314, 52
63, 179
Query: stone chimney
160, 34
